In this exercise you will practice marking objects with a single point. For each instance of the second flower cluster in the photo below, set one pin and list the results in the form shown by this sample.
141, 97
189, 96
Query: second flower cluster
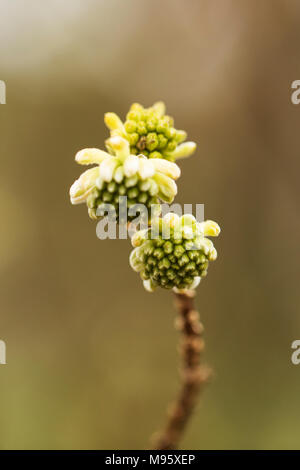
139, 162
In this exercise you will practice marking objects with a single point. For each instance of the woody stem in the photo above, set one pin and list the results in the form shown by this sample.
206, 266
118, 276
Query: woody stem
193, 374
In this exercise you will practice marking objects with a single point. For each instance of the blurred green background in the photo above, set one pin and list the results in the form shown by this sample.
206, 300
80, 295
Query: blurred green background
91, 356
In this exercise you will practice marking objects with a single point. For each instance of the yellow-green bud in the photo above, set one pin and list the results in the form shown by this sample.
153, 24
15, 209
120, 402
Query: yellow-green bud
149, 130
172, 263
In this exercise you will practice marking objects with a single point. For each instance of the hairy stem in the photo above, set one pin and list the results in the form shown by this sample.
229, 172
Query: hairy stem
193, 374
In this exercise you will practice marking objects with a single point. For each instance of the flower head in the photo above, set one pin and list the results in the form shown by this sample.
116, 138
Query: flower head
174, 252
141, 180
150, 132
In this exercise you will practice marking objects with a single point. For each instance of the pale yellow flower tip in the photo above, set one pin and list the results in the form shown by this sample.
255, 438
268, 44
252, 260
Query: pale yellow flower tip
211, 228
75, 191
131, 165
107, 168
148, 285
83, 185
90, 156
134, 261
187, 219
136, 107
146, 168
195, 282
159, 107
166, 185
171, 219
187, 232
168, 168
212, 254
138, 238
113, 122
119, 174
184, 150
119, 145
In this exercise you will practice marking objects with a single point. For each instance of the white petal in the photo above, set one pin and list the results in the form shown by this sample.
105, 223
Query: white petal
119, 174
145, 185
171, 219
195, 282
107, 168
187, 219
187, 232
180, 136
148, 285
131, 165
74, 190
146, 168
184, 150
211, 228
134, 261
99, 183
138, 238
153, 190
85, 183
204, 244
120, 146
166, 167
113, 122
159, 108
167, 186
89, 156
213, 254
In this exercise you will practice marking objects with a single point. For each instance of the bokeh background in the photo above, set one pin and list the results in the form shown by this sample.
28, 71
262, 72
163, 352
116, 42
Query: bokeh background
91, 357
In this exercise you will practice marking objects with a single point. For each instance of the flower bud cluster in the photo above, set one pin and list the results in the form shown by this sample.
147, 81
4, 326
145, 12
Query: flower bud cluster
151, 132
174, 253
141, 180
139, 168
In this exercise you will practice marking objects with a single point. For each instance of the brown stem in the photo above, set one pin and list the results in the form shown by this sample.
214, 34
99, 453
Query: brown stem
193, 375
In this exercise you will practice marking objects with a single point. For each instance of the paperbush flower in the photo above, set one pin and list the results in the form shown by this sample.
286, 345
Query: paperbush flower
174, 252
150, 132
141, 180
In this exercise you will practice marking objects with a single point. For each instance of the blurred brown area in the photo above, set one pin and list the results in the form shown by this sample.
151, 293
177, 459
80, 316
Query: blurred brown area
91, 356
